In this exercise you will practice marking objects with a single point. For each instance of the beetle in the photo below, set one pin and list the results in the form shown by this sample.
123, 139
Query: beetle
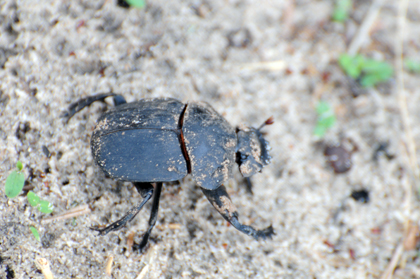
152, 141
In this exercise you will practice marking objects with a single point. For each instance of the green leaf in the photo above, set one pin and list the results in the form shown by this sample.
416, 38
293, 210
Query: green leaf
322, 107
14, 184
377, 67
45, 207
412, 66
35, 233
370, 71
326, 118
374, 72
341, 10
352, 65
369, 81
33, 199
136, 3
19, 165
320, 131
327, 122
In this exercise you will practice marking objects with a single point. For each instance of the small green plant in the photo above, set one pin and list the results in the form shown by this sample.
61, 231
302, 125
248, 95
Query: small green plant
341, 10
35, 233
136, 3
412, 66
42, 205
369, 71
15, 182
326, 118
14, 185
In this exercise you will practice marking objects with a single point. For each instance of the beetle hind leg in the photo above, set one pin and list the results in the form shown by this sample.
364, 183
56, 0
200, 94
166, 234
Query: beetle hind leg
221, 201
152, 219
146, 191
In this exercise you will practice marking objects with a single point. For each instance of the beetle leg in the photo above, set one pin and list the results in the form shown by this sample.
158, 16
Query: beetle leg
143, 188
84, 102
249, 185
146, 191
153, 217
221, 201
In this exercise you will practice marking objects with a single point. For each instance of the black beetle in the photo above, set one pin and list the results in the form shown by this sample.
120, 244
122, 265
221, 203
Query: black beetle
162, 140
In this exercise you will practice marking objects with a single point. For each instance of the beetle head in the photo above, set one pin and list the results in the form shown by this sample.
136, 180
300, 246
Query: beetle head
252, 153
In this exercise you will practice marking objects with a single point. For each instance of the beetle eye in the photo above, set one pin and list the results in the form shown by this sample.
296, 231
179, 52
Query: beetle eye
244, 157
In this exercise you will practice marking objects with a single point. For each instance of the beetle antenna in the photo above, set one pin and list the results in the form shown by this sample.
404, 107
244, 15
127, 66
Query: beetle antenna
269, 121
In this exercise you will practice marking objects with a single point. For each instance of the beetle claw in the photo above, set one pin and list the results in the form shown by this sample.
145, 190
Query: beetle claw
140, 248
221, 201
266, 233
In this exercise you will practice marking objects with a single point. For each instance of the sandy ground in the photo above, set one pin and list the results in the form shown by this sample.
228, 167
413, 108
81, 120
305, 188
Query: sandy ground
55, 52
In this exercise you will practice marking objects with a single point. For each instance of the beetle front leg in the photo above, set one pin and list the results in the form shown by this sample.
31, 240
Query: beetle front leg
221, 201
87, 101
152, 219
146, 191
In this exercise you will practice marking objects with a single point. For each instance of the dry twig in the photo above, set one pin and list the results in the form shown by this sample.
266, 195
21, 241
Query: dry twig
363, 32
130, 241
411, 148
394, 262
402, 99
44, 265
143, 272
108, 265
146, 268
412, 237
74, 212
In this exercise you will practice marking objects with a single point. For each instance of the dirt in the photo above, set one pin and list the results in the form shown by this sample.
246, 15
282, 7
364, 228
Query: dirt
249, 60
